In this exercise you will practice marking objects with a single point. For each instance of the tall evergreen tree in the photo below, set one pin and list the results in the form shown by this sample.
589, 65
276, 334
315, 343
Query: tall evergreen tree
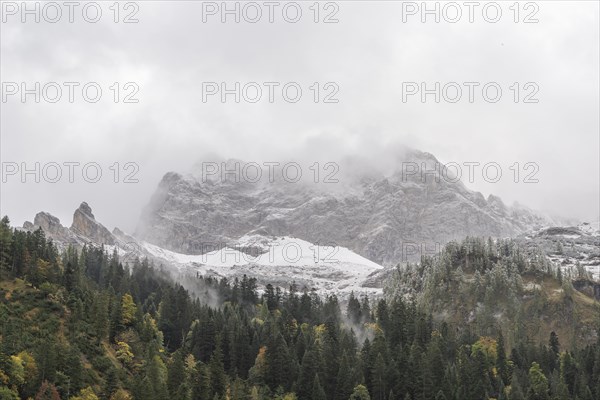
218, 380
317, 390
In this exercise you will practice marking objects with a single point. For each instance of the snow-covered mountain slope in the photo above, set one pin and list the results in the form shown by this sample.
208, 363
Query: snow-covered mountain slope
283, 261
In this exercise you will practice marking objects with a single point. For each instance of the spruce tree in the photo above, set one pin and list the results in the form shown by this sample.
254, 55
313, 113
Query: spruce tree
378, 379
345, 379
308, 370
176, 373
538, 382
218, 380
317, 390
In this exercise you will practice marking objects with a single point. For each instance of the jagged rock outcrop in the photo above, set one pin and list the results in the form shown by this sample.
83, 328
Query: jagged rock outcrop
84, 229
51, 226
385, 218
85, 224
53, 229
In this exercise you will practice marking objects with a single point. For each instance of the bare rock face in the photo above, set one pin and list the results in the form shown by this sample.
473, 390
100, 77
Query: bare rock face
49, 224
385, 218
85, 229
85, 224
53, 229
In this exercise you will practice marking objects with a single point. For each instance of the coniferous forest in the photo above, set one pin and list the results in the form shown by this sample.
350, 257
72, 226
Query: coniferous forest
81, 324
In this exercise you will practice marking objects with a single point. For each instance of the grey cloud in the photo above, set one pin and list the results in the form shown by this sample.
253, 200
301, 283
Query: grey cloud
369, 54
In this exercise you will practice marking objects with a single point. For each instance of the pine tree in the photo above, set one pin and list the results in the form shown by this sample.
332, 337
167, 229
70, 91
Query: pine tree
176, 375
433, 369
501, 359
6, 239
365, 309
353, 310
101, 323
378, 378
157, 379
111, 384
218, 380
415, 383
201, 383
383, 318
562, 393
539, 383
331, 357
345, 379
568, 371
308, 370
516, 391
317, 390
554, 351
278, 363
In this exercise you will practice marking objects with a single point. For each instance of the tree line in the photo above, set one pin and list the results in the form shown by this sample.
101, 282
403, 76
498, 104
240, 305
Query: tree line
79, 324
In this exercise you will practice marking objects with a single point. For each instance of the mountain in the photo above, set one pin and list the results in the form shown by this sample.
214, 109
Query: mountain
279, 261
283, 260
338, 238
384, 217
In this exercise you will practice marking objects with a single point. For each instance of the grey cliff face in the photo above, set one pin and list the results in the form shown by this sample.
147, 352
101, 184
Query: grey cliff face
386, 218
84, 229
86, 225
50, 224
52, 228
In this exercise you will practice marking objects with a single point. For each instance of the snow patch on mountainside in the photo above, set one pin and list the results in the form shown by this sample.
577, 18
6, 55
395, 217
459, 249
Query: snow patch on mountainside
281, 262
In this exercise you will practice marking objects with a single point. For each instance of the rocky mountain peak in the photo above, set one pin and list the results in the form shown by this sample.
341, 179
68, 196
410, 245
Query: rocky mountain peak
375, 217
51, 226
48, 222
169, 179
85, 224
85, 209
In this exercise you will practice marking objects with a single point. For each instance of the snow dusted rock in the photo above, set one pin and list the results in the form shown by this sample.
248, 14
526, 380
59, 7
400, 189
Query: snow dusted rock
385, 218
573, 248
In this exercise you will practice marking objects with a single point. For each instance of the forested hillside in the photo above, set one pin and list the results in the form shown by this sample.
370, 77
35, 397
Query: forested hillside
81, 325
494, 285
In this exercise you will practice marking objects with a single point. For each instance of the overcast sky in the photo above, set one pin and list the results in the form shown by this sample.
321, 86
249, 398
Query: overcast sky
368, 54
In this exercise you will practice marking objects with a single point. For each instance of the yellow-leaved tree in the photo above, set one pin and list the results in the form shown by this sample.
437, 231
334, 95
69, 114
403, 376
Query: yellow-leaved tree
128, 309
